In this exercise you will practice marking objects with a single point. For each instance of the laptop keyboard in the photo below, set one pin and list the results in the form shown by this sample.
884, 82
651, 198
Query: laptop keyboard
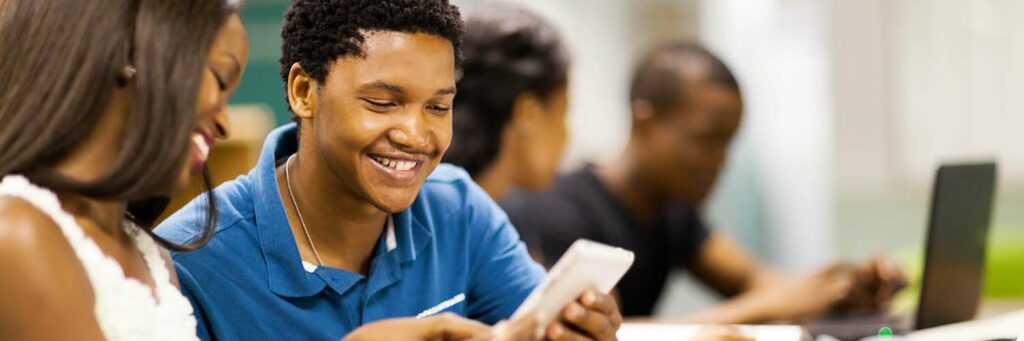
858, 327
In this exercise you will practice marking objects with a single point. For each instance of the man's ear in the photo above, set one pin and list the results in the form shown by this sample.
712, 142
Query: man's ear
301, 92
526, 112
643, 114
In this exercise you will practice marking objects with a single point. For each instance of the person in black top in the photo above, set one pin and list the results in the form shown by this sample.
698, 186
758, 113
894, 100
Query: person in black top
580, 206
686, 108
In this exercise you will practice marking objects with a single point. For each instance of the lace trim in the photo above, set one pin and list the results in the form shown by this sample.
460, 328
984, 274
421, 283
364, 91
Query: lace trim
126, 308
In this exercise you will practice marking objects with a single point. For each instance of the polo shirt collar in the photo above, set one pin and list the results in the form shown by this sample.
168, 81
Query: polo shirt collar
286, 275
412, 234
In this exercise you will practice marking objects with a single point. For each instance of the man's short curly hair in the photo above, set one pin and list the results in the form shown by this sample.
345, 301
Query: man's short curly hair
318, 32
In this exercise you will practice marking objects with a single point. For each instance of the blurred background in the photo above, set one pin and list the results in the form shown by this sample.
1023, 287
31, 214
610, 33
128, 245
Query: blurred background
850, 107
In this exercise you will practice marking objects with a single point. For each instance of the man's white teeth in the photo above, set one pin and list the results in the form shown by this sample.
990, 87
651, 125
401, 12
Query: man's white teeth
405, 165
396, 164
201, 145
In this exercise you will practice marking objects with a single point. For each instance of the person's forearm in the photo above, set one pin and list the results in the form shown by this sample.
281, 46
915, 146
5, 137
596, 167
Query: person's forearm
764, 277
744, 308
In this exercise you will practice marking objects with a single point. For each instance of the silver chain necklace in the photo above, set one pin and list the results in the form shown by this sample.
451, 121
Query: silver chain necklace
291, 194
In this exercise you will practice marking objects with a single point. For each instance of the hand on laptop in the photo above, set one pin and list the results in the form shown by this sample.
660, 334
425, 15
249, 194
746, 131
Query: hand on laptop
594, 316
876, 281
842, 286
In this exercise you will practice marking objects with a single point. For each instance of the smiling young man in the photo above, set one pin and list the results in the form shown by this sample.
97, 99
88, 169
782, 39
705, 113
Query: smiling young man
348, 217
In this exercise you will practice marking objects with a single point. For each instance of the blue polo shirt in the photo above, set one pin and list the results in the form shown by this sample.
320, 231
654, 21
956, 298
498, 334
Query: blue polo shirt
453, 251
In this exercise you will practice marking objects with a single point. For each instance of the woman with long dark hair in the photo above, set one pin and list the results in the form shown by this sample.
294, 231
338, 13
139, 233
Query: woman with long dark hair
104, 106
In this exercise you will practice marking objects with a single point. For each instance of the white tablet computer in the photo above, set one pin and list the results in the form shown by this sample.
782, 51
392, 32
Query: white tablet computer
586, 265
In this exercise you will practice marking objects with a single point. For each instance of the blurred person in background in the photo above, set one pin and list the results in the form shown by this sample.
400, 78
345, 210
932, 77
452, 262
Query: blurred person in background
349, 217
686, 108
105, 103
509, 118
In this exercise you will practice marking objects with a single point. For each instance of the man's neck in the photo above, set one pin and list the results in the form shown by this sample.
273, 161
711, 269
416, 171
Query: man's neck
627, 183
497, 178
344, 228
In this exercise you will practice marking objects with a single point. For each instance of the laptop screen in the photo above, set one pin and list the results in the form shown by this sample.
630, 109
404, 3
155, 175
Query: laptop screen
956, 243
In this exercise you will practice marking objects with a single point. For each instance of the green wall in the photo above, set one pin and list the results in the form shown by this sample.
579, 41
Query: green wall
261, 83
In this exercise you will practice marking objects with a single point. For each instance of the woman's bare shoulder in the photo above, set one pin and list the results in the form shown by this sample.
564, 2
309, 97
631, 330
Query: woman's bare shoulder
24, 228
43, 281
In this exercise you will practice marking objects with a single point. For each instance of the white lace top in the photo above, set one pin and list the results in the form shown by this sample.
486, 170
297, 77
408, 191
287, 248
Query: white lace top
125, 307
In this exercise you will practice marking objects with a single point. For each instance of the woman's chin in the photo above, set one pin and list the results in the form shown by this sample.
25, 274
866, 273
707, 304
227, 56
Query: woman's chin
182, 184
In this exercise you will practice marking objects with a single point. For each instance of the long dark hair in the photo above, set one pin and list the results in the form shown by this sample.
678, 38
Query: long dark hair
507, 51
63, 59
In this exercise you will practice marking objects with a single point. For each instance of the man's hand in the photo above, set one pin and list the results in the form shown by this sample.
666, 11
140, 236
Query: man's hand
442, 327
804, 297
876, 281
445, 327
844, 287
594, 316
525, 329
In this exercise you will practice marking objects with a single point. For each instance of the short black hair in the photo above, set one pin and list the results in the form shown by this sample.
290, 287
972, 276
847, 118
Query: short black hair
508, 51
659, 78
318, 32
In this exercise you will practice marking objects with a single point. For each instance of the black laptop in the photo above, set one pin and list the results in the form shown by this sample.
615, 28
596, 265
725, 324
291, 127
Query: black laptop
954, 257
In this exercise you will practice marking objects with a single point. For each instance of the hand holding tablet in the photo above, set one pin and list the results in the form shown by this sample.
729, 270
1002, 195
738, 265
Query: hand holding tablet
576, 291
